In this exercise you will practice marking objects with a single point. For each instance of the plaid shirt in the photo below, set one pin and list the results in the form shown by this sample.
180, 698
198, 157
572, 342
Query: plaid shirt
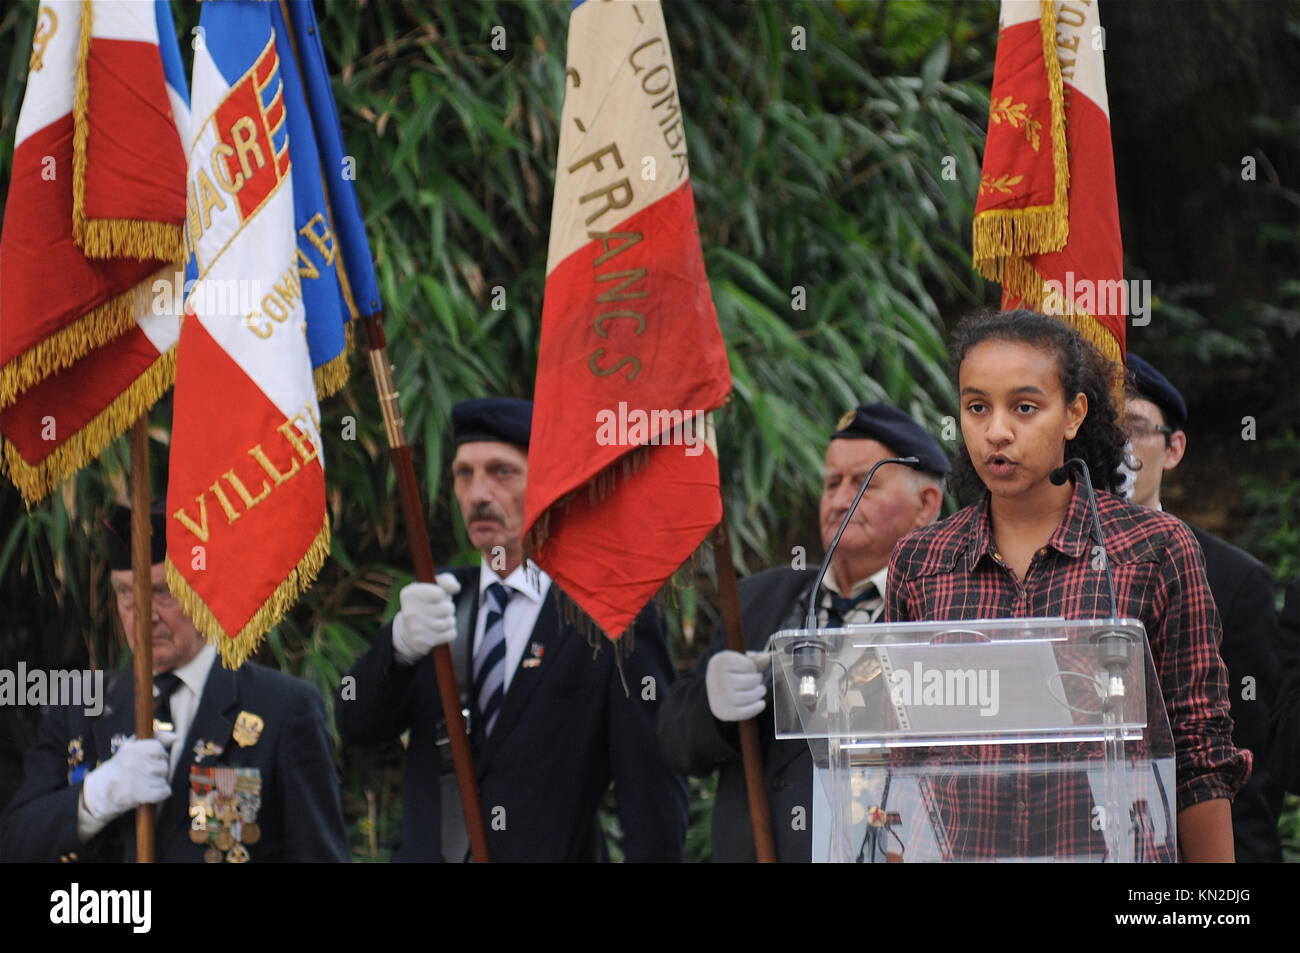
952, 570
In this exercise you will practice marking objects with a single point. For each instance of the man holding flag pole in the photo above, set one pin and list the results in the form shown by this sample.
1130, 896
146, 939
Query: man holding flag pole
245, 743
86, 350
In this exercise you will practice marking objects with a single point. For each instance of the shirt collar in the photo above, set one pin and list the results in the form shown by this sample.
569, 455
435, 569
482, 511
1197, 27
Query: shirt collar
527, 579
1070, 537
878, 578
194, 673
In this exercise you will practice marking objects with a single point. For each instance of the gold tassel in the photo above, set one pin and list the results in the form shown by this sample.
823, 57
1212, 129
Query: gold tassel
38, 481
129, 238
65, 347
109, 237
80, 125
235, 651
574, 615
997, 234
1003, 238
331, 376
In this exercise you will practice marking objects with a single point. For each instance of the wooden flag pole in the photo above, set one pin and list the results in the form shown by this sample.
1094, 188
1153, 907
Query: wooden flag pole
751, 756
417, 535
141, 546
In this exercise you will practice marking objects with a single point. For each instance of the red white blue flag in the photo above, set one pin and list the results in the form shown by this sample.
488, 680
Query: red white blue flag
247, 529
88, 299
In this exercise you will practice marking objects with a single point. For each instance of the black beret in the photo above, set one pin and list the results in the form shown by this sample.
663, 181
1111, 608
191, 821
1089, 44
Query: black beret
117, 535
897, 431
1155, 387
501, 419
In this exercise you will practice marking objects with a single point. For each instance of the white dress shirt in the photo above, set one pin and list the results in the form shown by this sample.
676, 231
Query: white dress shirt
530, 585
185, 700
185, 704
865, 612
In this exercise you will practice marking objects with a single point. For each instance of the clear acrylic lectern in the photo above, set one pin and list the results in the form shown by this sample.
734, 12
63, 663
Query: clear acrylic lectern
987, 740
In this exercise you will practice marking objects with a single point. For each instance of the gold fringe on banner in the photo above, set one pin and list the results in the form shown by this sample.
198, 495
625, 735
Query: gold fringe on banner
1025, 282
1000, 234
109, 237
65, 347
126, 237
331, 376
35, 482
573, 614
235, 651
599, 488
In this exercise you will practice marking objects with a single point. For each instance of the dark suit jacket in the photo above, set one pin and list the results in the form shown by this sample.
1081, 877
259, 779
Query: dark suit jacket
1285, 752
301, 817
694, 742
1243, 593
565, 730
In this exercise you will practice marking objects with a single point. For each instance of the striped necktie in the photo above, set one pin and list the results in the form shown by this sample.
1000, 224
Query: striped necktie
490, 659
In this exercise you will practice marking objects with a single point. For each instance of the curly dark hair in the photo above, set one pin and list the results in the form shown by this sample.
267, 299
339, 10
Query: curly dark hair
1100, 441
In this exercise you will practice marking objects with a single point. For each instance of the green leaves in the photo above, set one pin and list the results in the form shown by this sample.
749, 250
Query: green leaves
832, 240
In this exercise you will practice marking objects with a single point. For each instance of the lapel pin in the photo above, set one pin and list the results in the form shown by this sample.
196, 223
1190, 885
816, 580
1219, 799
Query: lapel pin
76, 758
207, 749
248, 728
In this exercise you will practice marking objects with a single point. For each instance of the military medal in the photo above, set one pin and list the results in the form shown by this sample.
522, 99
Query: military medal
537, 649
206, 749
76, 761
224, 801
248, 728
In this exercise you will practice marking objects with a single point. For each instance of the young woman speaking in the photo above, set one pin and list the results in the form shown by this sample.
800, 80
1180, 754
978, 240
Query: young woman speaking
1033, 393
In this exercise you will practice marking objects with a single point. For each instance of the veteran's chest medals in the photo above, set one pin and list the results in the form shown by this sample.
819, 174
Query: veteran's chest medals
224, 802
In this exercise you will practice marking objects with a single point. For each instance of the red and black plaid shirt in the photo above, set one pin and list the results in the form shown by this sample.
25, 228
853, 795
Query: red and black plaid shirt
952, 570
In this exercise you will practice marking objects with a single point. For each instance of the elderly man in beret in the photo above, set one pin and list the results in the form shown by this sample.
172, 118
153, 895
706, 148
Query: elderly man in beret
1154, 418
263, 731
697, 725
550, 726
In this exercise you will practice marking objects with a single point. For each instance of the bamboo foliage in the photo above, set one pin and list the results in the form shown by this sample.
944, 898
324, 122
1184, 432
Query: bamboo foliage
832, 233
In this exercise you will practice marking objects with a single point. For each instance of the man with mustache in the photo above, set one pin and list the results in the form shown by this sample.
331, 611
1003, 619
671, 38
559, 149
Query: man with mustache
550, 726
697, 726
251, 744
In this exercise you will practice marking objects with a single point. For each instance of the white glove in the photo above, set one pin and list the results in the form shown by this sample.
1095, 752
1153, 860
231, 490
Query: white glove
137, 774
427, 619
734, 683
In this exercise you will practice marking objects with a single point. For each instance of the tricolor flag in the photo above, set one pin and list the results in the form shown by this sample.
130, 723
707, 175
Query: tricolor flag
247, 529
1047, 217
623, 471
88, 313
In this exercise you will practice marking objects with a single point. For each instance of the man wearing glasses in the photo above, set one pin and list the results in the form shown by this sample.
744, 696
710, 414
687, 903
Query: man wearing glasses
1155, 415
241, 764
